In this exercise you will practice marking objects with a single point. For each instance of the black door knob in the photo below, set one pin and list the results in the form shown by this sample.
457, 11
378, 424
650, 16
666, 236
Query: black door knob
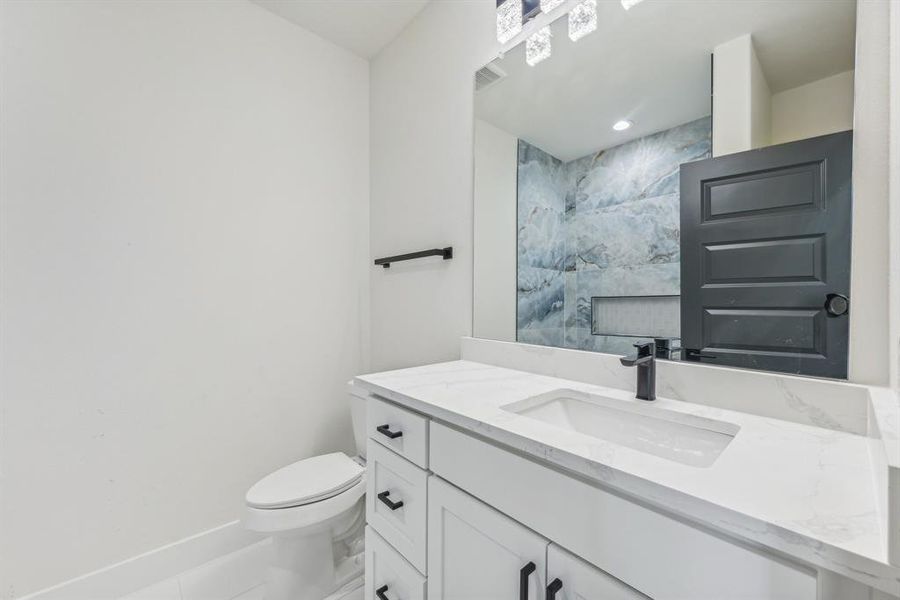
837, 305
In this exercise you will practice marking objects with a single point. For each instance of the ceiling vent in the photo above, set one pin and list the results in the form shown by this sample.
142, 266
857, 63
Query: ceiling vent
487, 76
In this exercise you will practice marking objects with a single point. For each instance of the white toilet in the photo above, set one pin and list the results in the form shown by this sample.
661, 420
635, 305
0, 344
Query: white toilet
314, 510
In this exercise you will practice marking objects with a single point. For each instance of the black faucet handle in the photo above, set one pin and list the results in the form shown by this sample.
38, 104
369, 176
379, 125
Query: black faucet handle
645, 348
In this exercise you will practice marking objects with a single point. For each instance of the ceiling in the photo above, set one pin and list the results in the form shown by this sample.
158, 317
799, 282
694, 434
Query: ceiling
651, 65
362, 26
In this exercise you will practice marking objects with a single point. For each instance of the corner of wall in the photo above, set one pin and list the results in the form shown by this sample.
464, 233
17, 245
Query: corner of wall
870, 341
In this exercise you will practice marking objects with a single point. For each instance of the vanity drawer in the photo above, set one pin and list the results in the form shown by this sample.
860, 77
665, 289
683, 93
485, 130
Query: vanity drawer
396, 502
401, 430
385, 567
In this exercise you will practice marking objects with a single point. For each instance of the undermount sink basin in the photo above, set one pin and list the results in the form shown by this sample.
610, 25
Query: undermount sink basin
687, 439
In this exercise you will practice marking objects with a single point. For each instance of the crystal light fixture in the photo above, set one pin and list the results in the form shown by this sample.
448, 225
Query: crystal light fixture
537, 46
509, 20
626, 4
548, 5
582, 19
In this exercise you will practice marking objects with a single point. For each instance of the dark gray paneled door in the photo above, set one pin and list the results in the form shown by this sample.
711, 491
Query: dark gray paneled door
765, 257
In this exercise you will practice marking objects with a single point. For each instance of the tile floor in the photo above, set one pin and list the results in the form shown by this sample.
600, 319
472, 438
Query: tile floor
236, 576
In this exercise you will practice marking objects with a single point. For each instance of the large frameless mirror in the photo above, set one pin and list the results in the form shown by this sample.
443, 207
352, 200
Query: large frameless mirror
680, 175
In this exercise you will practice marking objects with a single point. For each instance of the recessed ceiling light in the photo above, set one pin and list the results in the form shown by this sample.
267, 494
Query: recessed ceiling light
622, 125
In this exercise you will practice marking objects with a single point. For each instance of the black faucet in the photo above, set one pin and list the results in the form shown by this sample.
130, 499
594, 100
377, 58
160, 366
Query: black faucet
645, 361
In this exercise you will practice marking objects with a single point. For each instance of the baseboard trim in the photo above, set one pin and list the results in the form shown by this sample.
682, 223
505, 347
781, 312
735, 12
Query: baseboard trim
145, 569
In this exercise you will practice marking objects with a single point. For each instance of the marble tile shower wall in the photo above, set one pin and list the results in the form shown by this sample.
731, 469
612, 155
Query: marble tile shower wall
606, 224
541, 252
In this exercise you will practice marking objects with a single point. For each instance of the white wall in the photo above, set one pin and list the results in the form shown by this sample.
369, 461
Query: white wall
817, 108
421, 185
495, 223
741, 98
894, 231
184, 264
869, 270
760, 104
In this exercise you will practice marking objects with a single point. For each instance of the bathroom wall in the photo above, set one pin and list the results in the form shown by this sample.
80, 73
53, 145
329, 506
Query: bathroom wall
741, 97
604, 225
184, 269
422, 172
817, 108
421, 185
869, 274
494, 230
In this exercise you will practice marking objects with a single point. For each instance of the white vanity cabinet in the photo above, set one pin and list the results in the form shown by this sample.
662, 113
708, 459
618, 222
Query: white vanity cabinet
570, 578
482, 521
475, 551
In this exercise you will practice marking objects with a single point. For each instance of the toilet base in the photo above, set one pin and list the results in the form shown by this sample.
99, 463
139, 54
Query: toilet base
316, 565
302, 568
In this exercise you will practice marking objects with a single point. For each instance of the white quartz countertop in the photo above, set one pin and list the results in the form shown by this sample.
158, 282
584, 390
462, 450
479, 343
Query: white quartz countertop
802, 490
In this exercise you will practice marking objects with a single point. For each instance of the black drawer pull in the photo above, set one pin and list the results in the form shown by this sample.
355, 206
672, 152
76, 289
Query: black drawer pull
554, 587
523, 580
380, 592
383, 496
385, 430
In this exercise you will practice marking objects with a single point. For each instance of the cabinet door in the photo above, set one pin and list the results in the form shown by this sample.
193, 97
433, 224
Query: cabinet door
388, 575
570, 578
476, 552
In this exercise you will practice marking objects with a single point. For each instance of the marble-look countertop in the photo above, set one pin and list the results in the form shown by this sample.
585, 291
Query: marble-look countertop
802, 490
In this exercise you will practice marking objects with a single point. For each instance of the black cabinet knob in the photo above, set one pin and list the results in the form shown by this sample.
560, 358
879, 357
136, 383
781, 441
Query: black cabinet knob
554, 587
385, 430
837, 305
524, 572
383, 496
380, 592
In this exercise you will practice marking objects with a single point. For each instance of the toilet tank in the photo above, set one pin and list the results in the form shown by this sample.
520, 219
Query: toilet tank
358, 403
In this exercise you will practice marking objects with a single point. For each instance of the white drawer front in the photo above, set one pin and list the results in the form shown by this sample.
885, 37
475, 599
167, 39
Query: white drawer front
403, 526
401, 430
388, 574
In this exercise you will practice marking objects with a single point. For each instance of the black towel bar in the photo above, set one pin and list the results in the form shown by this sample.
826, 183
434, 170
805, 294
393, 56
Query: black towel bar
385, 262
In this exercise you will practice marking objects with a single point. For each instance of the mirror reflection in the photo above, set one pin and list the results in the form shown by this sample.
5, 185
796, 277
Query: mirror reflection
663, 179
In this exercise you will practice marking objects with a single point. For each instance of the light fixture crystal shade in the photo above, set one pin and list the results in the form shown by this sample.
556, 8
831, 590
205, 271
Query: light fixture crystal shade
582, 19
548, 5
537, 46
509, 20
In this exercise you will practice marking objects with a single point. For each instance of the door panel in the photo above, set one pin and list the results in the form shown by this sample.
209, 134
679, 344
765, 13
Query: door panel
765, 238
475, 552
579, 580
387, 572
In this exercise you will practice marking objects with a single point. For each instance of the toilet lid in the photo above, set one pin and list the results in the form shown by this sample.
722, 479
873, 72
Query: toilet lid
306, 481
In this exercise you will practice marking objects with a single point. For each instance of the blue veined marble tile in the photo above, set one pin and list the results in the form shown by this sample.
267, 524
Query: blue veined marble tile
541, 208
642, 168
662, 279
605, 224
540, 300
541, 179
542, 238
552, 336
610, 344
570, 309
634, 233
